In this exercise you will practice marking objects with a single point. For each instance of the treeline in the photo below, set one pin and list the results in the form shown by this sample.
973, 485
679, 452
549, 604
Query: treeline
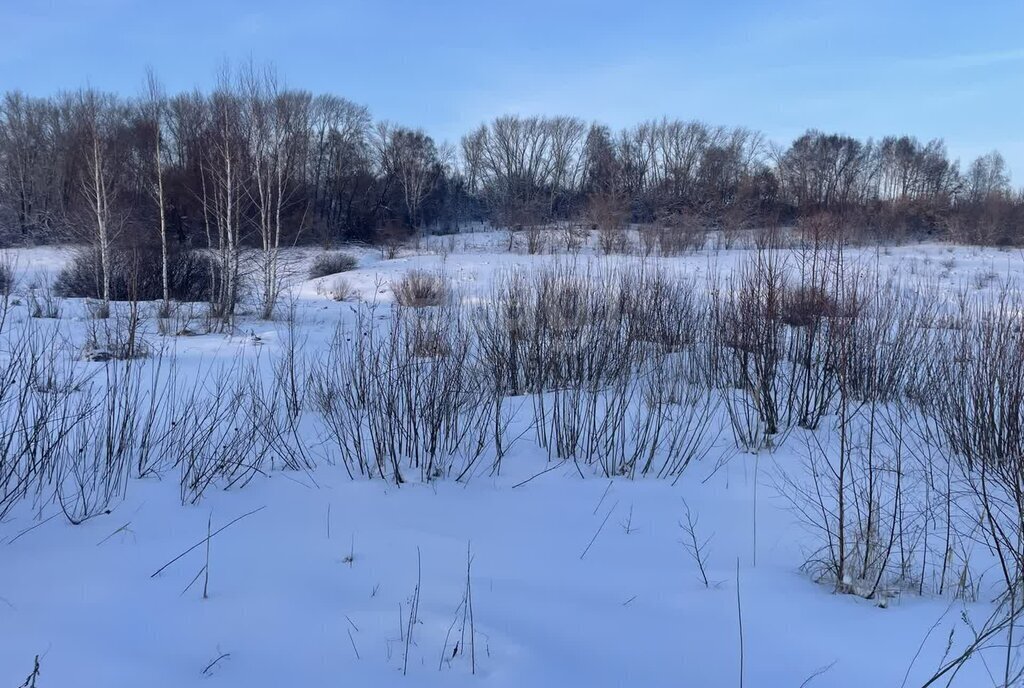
255, 163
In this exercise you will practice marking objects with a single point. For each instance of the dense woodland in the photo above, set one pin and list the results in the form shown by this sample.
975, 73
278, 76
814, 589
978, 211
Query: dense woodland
254, 163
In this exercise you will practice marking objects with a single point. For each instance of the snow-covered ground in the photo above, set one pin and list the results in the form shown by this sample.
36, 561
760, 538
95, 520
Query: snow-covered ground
572, 581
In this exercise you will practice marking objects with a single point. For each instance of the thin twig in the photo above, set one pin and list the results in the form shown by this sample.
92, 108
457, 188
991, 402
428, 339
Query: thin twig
353, 641
739, 616
122, 528
413, 612
603, 495
469, 606
206, 569
29, 530
590, 544
193, 582
546, 470
818, 672
204, 540
214, 662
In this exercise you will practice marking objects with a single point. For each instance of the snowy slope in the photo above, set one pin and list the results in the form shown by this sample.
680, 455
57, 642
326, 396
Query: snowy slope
574, 581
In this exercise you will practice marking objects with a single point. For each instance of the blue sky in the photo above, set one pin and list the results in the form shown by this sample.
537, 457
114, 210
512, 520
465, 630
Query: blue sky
945, 68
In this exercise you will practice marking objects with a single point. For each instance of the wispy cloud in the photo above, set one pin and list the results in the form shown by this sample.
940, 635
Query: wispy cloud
966, 60
250, 24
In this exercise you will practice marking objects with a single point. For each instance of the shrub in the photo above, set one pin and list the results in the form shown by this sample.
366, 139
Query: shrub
331, 264
43, 303
574, 237
612, 240
80, 277
6, 274
391, 237
681, 234
341, 290
536, 240
427, 336
419, 288
113, 336
805, 305
136, 275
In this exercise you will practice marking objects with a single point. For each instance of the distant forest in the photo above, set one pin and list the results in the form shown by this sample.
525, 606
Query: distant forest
252, 163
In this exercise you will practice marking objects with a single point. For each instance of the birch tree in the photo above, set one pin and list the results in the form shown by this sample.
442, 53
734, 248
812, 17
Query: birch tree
277, 130
221, 190
153, 105
97, 116
412, 159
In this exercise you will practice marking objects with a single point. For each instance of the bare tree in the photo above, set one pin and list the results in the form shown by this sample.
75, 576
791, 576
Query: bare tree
276, 125
153, 106
411, 158
222, 178
98, 116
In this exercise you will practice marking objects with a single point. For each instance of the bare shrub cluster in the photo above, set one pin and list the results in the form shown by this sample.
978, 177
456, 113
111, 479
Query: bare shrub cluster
420, 288
135, 274
332, 263
77, 425
339, 289
402, 398
907, 408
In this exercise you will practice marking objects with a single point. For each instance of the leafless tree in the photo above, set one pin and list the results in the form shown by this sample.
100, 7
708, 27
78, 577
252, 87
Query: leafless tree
153, 107
276, 123
414, 161
100, 118
222, 191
